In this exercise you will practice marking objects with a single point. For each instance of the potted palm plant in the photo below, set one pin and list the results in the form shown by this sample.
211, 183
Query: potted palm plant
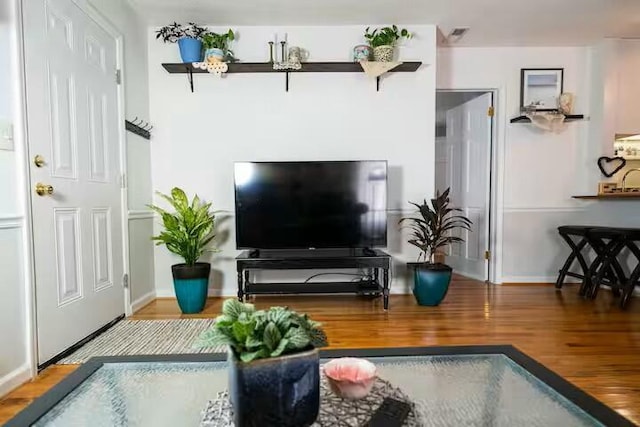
188, 37
216, 46
383, 41
274, 376
187, 232
431, 230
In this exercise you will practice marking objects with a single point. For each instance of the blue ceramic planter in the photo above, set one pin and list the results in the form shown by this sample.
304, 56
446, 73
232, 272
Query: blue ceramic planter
190, 49
431, 283
281, 391
191, 284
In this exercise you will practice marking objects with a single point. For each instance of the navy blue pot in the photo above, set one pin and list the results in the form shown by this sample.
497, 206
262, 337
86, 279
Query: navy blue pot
190, 49
430, 282
281, 391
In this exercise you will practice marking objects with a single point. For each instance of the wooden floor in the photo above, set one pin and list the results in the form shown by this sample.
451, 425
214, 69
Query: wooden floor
593, 344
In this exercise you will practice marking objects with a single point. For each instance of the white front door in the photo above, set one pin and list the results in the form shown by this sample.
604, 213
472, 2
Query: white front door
72, 107
468, 156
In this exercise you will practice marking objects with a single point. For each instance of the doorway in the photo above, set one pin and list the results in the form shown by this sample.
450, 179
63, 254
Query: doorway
464, 163
75, 169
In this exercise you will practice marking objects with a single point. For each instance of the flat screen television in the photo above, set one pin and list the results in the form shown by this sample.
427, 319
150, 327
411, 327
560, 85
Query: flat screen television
311, 205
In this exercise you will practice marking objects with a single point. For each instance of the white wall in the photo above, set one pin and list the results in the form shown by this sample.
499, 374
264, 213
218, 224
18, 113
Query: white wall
134, 33
198, 136
540, 171
14, 364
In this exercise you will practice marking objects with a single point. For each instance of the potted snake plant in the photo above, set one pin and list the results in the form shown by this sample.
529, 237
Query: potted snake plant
430, 231
274, 376
187, 233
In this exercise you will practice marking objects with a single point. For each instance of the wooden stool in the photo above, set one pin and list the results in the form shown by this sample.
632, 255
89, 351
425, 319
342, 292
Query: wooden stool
568, 233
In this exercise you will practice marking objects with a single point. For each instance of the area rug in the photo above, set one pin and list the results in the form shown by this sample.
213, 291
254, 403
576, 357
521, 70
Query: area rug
138, 337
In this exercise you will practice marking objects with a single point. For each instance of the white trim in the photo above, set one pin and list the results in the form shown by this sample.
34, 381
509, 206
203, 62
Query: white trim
537, 279
142, 301
165, 293
480, 278
15, 379
140, 214
11, 221
543, 209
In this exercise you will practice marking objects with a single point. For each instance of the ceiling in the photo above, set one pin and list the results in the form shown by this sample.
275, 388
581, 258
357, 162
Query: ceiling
492, 22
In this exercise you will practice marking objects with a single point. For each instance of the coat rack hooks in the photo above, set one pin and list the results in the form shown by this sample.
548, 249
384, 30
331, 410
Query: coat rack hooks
139, 127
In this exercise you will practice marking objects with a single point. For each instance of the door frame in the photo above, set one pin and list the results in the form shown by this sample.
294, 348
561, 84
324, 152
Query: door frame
24, 167
496, 183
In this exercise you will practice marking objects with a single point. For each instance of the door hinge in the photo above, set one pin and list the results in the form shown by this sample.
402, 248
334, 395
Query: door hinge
118, 76
487, 255
125, 280
123, 181
491, 112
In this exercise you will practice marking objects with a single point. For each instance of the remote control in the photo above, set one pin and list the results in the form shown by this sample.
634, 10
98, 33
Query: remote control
391, 413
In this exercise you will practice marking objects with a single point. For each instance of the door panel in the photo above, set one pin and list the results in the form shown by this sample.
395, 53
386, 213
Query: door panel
73, 123
469, 141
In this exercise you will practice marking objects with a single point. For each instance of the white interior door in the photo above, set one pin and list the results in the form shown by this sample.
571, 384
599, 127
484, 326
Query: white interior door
72, 107
467, 154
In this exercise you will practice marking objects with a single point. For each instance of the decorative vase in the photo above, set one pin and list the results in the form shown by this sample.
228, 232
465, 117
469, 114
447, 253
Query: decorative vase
362, 52
430, 282
191, 283
383, 53
213, 54
279, 391
190, 49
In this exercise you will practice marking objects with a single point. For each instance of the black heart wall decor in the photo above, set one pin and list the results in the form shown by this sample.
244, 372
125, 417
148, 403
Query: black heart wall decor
606, 163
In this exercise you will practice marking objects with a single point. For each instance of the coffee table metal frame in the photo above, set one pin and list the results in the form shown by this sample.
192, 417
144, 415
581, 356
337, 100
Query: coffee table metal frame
589, 404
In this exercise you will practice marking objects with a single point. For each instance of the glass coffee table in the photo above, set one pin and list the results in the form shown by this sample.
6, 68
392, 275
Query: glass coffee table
449, 386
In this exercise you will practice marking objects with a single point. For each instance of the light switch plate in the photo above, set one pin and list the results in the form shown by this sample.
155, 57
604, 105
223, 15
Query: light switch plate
6, 135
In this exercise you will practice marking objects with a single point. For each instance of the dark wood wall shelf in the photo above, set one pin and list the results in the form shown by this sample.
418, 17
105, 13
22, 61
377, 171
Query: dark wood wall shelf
568, 118
267, 67
612, 196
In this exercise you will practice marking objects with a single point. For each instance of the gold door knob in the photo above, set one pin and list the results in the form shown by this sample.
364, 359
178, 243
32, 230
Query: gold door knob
43, 189
38, 160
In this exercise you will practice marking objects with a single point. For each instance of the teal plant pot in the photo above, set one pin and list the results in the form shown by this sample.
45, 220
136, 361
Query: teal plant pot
214, 53
190, 49
280, 391
191, 284
430, 282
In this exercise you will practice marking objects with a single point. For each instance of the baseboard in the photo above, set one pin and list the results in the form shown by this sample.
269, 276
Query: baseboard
142, 301
169, 293
14, 379
536, 279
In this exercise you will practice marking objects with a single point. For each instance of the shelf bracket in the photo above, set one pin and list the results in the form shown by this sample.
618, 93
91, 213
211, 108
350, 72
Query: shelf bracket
191, 79
287, 81
378, 84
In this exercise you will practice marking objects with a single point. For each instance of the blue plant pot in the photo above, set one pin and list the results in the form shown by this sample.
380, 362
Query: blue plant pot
430, 283
190, 49
281, 391
191, 283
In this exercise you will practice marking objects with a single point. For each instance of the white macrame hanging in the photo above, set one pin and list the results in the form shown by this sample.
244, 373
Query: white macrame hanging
376, 69
550, 122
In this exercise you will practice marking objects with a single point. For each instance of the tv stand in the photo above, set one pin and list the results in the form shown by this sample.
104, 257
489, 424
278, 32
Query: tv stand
377, 262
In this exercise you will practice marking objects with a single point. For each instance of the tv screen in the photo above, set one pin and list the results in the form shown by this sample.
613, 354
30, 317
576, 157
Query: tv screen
308, 205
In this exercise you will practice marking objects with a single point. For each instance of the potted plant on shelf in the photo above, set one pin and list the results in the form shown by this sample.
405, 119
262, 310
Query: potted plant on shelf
187, 232
274, 376
431, 230
383, 41
188, 37
216, 46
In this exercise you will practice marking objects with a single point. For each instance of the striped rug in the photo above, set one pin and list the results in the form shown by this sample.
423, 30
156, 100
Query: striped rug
138, 337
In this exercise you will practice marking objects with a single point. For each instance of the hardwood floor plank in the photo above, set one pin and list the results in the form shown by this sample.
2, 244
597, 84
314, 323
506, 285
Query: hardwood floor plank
593, 344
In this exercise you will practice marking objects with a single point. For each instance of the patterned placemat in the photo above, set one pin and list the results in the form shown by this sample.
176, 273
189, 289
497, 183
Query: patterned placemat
334, 411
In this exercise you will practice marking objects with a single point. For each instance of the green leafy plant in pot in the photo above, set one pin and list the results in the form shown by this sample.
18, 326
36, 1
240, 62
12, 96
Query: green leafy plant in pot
431, 230
384, 40
188, 37
274, 376
216, 46
187, 233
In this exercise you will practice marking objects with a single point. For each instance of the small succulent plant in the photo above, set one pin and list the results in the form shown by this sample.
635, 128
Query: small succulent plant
260, 334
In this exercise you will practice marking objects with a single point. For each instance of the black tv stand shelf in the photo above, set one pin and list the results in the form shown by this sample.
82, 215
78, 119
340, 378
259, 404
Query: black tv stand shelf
374, 260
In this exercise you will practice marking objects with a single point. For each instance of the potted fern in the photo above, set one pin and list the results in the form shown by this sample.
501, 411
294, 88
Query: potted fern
383, 41
187, 232
431, 230
274, 376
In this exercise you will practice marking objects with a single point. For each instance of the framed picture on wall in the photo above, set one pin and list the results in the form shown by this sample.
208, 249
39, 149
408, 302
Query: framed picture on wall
541, 88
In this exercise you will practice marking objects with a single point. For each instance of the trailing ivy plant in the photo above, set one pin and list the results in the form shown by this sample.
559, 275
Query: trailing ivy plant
219, 41
431, 230
259, 334
188, 230
174, 32
386, 36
